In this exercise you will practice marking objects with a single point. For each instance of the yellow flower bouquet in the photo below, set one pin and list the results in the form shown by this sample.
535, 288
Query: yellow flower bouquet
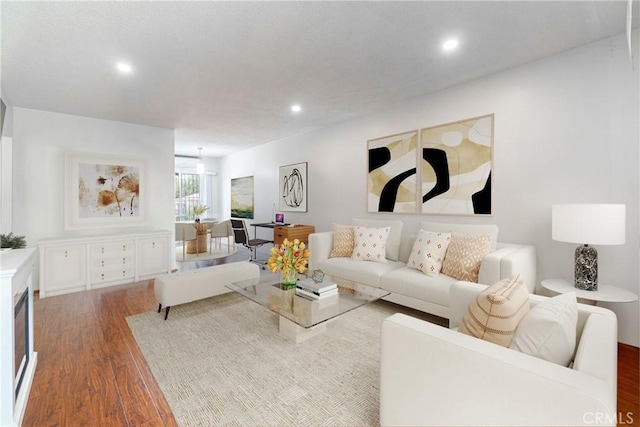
290, 258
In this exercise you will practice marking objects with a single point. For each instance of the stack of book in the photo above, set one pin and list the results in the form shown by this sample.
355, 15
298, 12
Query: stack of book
312, 290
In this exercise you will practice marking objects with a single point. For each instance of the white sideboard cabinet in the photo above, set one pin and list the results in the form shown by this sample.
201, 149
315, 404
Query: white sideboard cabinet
83, 263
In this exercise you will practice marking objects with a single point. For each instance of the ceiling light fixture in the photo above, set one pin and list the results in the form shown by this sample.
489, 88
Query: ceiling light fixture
450, 44
200, 165
125, 68
296, 108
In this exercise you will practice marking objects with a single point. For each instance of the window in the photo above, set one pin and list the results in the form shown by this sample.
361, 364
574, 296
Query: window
187, 187
191, 190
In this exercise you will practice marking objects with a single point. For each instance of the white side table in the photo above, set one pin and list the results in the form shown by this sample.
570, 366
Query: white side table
603, 294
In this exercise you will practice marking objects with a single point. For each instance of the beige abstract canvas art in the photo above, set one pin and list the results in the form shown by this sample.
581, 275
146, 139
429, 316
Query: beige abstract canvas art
456, 167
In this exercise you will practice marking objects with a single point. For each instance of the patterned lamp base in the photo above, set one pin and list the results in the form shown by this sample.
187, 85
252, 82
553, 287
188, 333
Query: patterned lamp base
586, 270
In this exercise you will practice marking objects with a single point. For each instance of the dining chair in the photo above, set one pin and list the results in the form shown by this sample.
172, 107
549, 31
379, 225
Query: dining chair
186, 232
220, 231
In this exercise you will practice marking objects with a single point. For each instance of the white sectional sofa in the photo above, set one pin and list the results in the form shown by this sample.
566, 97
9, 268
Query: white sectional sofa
434, 376
413, 288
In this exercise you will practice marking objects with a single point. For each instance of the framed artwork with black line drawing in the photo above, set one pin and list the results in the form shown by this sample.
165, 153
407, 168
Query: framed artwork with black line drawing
293, 188
456, 165
391, 179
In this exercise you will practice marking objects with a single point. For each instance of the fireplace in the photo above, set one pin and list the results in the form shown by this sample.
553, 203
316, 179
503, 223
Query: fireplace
18, 368
21, 344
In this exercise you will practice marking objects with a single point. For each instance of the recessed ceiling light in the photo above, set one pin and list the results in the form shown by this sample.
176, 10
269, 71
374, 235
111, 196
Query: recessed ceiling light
450, 44
125, 68
296, 108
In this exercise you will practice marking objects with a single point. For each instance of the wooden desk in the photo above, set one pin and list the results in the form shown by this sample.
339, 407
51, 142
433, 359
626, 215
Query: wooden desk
300, 232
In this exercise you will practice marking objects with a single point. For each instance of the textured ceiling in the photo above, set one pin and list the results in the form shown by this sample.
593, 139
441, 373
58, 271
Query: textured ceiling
224, 74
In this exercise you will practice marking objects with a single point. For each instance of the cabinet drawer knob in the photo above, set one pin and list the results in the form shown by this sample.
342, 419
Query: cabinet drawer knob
66, 254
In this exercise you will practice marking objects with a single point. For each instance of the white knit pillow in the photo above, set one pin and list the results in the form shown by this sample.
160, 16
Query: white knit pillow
428, 252
548, 331
370, 243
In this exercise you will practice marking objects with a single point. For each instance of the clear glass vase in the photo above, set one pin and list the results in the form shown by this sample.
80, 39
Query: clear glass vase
289, 279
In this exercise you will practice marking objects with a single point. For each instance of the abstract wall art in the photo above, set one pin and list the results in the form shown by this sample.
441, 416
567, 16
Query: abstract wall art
391, 180
456, 167
293, 188
104, 191
242, 197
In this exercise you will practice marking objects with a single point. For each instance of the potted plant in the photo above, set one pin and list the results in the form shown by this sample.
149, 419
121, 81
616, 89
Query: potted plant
11, 241
199, 210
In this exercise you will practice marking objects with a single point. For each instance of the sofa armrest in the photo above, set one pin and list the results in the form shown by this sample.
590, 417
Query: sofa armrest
320, 245
430, 375
507, 261
597, 350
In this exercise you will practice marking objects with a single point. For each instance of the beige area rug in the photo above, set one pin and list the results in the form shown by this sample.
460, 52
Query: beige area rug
221, 362
215, 253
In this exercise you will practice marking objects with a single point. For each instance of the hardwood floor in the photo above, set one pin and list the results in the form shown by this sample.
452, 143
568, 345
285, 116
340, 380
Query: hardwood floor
91, 373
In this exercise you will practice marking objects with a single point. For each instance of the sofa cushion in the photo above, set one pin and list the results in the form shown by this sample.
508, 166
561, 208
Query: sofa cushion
548, 331
464, 255
496, 312
393, 242
370, 243
413, 283
368, 273
428, 252
342, 241
490, 229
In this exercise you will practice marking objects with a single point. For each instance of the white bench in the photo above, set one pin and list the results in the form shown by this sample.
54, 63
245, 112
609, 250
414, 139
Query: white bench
192, 285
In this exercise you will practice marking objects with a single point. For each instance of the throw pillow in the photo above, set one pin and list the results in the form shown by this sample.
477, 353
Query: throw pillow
496, 312
370, 243
428, 252
490, 229
342, 241
548, 331
395, 233
464, 255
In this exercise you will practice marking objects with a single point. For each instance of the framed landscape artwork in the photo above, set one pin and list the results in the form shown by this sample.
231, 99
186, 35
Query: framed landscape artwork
104, 191
293, 188
391, 179
456, 166
242, 197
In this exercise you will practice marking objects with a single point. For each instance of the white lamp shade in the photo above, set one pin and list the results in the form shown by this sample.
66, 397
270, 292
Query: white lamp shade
592, 224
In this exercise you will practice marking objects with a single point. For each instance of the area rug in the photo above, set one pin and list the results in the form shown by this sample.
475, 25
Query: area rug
221, 362
215, 253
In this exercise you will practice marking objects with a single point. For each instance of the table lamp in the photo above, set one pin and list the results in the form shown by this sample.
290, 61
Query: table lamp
588, 224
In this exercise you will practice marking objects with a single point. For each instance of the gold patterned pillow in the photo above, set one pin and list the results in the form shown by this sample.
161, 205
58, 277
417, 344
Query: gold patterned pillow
496, 312
464, 254
342, 241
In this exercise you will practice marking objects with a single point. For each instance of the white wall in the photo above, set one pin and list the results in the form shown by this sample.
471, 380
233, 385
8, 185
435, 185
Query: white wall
40, 141
566, 130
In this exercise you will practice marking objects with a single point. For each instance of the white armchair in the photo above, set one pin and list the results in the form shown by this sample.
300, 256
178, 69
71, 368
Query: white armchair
434, 376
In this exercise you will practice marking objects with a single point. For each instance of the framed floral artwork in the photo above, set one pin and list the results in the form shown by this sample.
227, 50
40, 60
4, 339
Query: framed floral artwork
104, 191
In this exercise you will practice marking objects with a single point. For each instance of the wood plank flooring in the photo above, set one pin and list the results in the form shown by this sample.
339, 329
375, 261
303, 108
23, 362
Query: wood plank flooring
91, 373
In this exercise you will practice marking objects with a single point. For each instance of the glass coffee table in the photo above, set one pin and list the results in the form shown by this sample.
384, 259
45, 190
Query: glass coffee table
301, 318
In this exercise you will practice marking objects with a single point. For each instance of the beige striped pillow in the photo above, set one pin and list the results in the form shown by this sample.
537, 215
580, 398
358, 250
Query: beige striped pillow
496, 312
